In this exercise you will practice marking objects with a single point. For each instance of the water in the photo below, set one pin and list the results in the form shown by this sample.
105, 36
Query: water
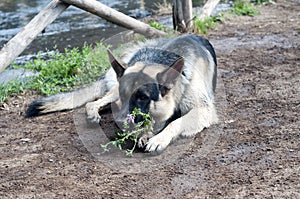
72, 28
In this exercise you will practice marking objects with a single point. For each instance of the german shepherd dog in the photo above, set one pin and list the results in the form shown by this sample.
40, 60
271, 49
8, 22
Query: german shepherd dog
174, 80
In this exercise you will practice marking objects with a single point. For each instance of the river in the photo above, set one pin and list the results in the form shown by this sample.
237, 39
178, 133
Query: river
72, 28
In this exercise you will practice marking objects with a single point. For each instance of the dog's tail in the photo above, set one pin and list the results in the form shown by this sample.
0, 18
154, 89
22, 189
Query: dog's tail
67, 101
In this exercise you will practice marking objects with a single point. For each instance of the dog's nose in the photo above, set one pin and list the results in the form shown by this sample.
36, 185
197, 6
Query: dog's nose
138, 119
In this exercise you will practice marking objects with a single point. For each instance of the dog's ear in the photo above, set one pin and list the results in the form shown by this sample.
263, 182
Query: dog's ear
117, 66
168, 77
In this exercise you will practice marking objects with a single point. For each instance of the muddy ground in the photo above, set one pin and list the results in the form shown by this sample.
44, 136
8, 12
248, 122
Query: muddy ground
252, 153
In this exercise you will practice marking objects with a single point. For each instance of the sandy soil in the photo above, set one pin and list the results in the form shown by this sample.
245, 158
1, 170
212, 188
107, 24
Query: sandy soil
252, 153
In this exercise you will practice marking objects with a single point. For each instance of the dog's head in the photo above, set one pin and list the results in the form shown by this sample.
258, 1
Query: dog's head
148, 87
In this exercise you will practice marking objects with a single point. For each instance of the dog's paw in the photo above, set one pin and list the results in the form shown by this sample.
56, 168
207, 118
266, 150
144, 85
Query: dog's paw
92, 113
157, 144
144, 139
142, 142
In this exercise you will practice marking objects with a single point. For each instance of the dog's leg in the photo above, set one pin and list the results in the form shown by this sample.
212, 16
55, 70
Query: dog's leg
188, 125
92, 108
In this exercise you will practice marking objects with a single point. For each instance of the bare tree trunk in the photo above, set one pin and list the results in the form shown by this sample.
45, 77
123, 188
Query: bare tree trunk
116, 17
208, 8
182, 15
19, 42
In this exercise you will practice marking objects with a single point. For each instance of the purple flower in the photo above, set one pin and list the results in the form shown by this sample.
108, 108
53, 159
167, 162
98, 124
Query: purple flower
130, 119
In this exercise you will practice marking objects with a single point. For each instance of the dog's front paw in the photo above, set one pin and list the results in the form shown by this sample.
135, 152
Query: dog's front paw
92, 113
157, 144
144, 139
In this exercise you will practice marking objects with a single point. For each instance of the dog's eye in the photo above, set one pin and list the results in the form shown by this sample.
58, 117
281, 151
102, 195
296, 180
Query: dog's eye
163, 90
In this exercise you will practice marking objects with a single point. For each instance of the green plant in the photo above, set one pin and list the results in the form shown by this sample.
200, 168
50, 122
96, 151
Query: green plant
61, 72
241, 7
12, 88
131, 131
64, 71
157, 25
202, 26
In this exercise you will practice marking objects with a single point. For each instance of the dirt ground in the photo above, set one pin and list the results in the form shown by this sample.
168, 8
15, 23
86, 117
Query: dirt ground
253, 153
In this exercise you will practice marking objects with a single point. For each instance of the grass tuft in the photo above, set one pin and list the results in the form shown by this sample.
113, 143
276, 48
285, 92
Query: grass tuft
241, 7
157, 25
202, 26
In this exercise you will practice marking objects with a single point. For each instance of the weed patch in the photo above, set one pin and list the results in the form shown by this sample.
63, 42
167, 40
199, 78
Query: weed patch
202, 26
244, 8
61, 72
157, 25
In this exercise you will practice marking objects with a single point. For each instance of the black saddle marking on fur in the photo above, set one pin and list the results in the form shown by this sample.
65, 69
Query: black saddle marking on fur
154, 56
207, 45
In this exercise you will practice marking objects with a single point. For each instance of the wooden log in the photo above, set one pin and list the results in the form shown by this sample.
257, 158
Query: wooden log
19, 42
208, 8
116, 17
182, 15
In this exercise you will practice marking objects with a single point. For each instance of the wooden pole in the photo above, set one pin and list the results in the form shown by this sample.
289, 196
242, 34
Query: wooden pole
116, 17
19, 42
208, 8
